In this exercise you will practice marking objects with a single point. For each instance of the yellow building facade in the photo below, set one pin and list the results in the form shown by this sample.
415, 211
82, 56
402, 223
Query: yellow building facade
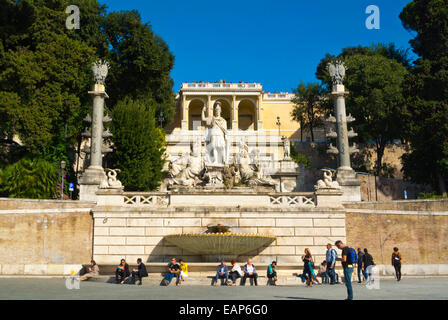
261, 119
245, 106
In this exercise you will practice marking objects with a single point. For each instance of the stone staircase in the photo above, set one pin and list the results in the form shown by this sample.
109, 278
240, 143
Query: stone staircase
204, 274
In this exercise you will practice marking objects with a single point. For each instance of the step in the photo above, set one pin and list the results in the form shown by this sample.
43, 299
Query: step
155, 280
206, 268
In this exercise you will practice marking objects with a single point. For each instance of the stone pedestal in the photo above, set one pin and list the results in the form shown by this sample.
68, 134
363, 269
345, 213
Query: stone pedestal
110, 197
350, 184
287, 176
329, 197
90, 182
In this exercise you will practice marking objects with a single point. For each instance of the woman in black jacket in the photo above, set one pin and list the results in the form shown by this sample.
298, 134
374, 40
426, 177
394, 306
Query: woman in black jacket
122, 272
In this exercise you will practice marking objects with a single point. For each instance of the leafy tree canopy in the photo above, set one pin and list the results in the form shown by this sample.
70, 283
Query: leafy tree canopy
139, 145
30, 178
426, 92
374, 80
45, 71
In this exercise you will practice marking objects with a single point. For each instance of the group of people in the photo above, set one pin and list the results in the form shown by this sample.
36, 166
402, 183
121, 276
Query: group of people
362, 259
249, 271
227, 276
122, 272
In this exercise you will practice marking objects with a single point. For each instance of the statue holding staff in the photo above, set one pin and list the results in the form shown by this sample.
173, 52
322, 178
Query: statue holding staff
216, 139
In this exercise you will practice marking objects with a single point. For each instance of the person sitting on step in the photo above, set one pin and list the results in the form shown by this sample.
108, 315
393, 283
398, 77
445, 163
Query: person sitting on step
235, 272
122, 272
91, 272
173, 271
222, 273
272, 273
251, 273
183, 271
140, 272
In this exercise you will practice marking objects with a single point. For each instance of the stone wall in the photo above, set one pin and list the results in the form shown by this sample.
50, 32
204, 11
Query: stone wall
418, 228
44, 236
138, 232
388, 189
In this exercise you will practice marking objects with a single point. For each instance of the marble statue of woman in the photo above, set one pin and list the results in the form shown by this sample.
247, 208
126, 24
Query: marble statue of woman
216, 146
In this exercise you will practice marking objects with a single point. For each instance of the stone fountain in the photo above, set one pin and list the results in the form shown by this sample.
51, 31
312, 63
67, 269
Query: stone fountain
218, 241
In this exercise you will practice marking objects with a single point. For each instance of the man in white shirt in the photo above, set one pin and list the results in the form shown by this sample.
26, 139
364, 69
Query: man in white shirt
250, 272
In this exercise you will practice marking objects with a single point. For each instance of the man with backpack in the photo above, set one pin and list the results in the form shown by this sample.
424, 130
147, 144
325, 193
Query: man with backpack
330, 258
349, 258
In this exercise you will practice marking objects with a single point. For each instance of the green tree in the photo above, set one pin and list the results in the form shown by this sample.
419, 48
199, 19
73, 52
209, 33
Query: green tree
374, 80
309, 106
140, 63
298, 157
30, 178
45, 71
376, 100
138, 144
44, 74
426, 92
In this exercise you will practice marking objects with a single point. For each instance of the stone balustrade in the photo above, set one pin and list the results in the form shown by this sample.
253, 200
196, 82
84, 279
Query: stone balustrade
223, 85
224, 198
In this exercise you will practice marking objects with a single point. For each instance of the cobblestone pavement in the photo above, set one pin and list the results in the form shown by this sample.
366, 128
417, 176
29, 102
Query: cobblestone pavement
55, 288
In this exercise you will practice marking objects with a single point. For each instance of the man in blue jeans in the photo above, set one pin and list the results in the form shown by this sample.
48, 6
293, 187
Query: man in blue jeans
222, 273
331, 257
173, 271
347, 265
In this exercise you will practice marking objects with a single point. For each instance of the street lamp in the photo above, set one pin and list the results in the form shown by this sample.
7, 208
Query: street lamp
161, 119
278, 123
62, 178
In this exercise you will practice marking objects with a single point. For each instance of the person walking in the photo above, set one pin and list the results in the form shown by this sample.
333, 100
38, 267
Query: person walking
308, 269
330, 258
360, 266
367, 262
348, 259
396, 263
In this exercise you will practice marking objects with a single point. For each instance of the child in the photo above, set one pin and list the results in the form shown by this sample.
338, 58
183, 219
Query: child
183, 271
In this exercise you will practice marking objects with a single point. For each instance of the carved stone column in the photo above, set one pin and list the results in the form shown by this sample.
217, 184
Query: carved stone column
234, 114
94, 175
184, 122
346, 176
259, 114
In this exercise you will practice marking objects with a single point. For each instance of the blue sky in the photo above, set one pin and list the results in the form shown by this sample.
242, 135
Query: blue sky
277, 43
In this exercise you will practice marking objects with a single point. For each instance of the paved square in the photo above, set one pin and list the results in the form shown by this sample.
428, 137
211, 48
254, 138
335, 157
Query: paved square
407, 289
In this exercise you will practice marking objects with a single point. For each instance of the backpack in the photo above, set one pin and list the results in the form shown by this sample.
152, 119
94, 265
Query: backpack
352, 256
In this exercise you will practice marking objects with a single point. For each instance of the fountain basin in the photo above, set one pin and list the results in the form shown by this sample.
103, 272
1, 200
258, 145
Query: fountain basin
220, 243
